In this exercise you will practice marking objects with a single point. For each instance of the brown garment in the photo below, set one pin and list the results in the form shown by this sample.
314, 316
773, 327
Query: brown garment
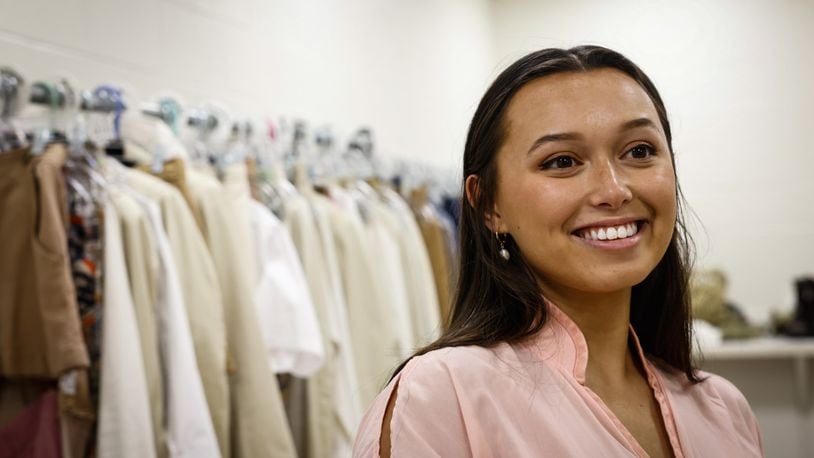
435, 237
174, 173
295, 399
77, 417
40, 334
254, 180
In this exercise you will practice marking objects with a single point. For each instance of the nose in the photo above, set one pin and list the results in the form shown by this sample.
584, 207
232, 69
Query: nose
609, 187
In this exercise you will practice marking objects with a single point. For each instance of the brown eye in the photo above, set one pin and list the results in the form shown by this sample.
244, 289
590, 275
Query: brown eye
641, 151
560, 162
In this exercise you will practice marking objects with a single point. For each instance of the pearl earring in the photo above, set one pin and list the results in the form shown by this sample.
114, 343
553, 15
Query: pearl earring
504, 253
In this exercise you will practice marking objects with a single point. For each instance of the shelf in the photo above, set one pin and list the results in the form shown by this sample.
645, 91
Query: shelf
799, 350
761, 348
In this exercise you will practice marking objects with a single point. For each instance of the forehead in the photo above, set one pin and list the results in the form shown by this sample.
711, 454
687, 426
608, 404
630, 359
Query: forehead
576, 101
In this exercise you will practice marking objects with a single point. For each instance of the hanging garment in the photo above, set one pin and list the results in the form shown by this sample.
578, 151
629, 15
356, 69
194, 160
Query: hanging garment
144, 274
310, 414
530, 400
190, 430
332, 393
435, 238
450, 243
284, 307
259, 425
35, 432
294, 391
86, 251
451, 205
253, 176
421, 292
236, 188
383, 245
40, 333
173, 172
125, 425
376, 342
200, 294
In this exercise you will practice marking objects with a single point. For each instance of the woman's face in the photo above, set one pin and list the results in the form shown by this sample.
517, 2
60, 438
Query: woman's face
586, 185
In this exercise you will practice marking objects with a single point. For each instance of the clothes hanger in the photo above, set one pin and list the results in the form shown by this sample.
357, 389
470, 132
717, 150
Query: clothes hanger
49, 95
159, 139
202, 123
11, 86
82, 174
102, 109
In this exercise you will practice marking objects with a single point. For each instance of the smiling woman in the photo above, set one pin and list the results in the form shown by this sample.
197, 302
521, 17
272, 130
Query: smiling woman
569, 334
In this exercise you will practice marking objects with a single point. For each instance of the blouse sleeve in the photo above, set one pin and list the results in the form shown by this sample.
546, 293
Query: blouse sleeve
427, 419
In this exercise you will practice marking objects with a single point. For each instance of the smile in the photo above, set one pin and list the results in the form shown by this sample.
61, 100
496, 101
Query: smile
622, 231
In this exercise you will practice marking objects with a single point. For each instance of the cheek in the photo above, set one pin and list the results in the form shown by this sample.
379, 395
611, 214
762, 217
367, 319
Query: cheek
659, 193
667, 192
536, 210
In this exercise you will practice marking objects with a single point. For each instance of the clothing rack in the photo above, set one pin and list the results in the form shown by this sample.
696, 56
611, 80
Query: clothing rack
356, 156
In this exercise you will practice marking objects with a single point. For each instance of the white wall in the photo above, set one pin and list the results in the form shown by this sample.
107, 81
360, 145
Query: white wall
738, 81
411, 70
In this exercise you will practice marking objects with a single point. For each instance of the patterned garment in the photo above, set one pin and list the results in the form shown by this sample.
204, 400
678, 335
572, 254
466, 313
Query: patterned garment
85, 246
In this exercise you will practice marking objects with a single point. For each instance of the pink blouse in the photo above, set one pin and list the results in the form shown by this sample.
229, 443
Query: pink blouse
530, 400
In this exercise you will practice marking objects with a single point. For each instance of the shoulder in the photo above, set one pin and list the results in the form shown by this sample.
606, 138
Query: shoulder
462, 365
433, 394
725, 392
715, 407
711, 388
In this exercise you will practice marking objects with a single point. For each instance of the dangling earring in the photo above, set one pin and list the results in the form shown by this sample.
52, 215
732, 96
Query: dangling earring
504, 253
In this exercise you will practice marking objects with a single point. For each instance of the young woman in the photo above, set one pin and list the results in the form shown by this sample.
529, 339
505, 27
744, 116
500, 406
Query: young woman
570, 333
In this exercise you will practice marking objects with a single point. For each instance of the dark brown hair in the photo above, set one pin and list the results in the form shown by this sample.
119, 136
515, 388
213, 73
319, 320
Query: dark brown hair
498, 301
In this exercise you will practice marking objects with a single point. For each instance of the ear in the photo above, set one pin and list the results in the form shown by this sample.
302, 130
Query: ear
491, 218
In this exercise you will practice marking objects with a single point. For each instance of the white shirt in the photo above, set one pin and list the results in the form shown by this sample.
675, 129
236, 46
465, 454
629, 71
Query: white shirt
125, 426
284, 306
348, 405
190, 431
377, 343
333, 403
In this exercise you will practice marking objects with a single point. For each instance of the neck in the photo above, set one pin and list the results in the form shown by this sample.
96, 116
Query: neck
604, 320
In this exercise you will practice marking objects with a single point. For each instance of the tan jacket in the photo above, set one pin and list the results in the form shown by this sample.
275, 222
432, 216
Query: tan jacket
40, 334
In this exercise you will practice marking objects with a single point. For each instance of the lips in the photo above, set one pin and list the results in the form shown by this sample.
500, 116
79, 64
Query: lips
610, 231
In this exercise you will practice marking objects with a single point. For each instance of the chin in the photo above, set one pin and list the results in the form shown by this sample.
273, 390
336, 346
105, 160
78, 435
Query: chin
617, 282
609, 282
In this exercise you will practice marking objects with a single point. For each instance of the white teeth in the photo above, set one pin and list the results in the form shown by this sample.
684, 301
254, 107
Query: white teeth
610, 233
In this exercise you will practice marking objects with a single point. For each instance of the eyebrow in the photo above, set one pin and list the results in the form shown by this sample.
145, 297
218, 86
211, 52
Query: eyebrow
565, 136
640, 122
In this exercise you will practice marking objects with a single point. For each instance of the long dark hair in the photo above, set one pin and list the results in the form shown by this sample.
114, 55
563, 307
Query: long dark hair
498, 301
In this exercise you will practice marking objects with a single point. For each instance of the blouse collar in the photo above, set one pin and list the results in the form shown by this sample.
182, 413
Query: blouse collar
562, 343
